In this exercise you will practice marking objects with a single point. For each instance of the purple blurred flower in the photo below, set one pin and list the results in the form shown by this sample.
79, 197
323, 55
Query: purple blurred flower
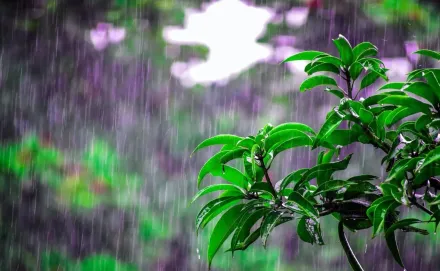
104, 34
410, 48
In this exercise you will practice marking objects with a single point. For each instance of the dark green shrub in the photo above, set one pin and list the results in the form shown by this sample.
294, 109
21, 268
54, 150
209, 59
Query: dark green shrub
411, 157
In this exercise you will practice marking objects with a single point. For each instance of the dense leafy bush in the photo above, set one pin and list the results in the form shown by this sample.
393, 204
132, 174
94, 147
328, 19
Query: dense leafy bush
253, 206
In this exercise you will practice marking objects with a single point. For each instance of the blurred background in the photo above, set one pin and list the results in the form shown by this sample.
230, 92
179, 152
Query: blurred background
102, 102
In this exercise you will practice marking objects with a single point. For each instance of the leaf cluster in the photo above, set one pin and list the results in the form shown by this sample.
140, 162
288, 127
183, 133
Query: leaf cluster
401, 118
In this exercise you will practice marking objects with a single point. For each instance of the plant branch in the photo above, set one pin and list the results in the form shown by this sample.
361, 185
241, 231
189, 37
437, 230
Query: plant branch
413, 200
266, 173
347, 79
326, 212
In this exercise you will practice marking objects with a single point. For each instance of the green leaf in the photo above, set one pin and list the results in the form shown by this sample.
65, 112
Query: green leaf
327, 59
246, 143
362, 178
433, 82
358, 189
247, 163
218, 140
369, 79
269, 224
263, 187
393, 85
230, 193
328, 168
398, 171
323, 67
364, 49
399, 114
389, 189
380, 213
425, 174
354, 263
372, 208
407, 102
212, 163
302, 231
366, 116
375, 99
309, 231
232, 154
436, 215
303, 204
330, 124
306, 55
391, 238
423, 90
292, 126
338, 93
245, 225
343, 137
292, 177
254, 151
432, 157
422, 122
214, 208
230, 174
300, 141
281, 137
332, 185
216, 187
345, 50
355, 70
315, 81
224, 227
428, 53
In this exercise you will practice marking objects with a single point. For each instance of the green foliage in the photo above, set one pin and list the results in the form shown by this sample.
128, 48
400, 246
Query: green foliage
55, 261
411, 157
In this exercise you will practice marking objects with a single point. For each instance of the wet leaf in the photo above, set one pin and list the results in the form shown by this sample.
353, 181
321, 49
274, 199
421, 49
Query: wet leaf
245, 225
224, 227
391, 238
432, 157
315, 81
281, 137
306, 55
214, 208
263, 187
369, 79
269, 224
429, 53
331, 124
407, 102
218, 140
328, 168
323, 67
364, 49
303, 204
217, 187
332, 185
345, 50
292, 126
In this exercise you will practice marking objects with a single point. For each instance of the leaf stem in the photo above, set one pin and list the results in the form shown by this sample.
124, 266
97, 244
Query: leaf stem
347, 79
266, 173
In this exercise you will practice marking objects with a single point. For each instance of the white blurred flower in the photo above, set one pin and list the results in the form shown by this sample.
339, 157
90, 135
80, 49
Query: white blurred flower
104, 34
296, 17
399, 67
230, 29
